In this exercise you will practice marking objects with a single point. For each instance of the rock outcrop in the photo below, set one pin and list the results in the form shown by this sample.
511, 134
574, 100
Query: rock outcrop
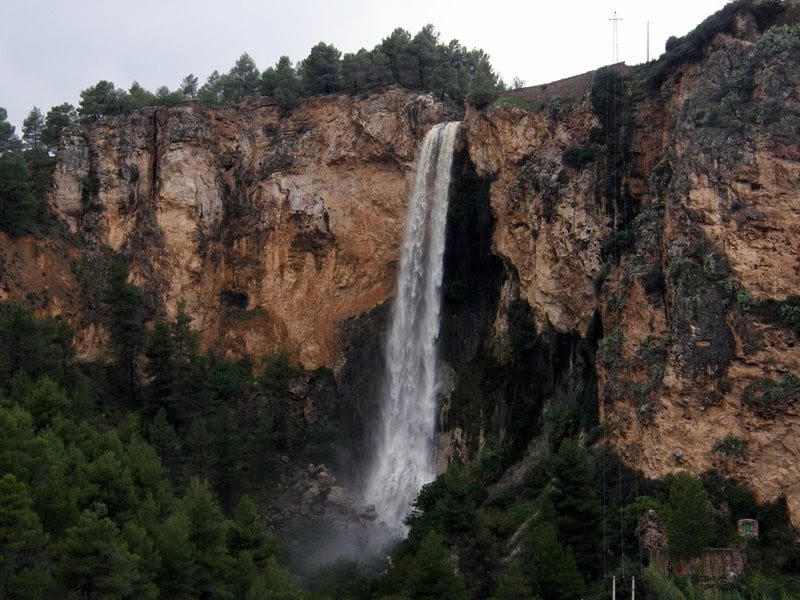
696, 286
273, 228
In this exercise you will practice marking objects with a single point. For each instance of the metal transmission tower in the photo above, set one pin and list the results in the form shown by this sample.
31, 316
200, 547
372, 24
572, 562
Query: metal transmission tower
615, 42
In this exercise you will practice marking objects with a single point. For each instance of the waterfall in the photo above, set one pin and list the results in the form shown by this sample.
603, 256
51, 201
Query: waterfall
404, 453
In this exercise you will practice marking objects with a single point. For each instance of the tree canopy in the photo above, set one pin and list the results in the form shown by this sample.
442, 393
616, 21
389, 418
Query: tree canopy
419, 62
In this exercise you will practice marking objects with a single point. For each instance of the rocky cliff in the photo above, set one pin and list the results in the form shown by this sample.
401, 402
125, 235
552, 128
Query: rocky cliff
272, 228
643, 241
690, 257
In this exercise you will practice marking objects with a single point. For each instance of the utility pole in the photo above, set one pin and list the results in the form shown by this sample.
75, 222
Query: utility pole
633, 588
648, 41
614, 588
615, 47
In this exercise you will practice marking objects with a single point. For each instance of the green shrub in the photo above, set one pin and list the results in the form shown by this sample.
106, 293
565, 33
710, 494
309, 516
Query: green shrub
767, 397
731, 446
515, 101
618, 241
608, 351
554, 106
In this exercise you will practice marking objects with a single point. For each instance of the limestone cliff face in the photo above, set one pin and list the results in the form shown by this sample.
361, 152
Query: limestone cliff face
272, 228
699, 361
549, 225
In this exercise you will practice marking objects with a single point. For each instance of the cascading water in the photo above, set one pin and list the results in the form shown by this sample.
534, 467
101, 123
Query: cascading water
404, 459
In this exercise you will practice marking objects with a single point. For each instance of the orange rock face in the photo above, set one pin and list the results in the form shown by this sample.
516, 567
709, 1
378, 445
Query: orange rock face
272, 228
694, 373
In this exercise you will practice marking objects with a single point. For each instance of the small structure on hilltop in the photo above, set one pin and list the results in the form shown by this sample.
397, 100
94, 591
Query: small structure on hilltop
748, 528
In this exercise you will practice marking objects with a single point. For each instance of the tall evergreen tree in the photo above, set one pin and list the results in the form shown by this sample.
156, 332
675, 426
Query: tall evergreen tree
94, 561
357, 71
211, 91
282, 83
207, 531
160, 353
690, 523
422, 56
32, 128
166, 97
103, 99
189, 86
126, 316
17, 204
178, 569
140, 97
395, 49
58, 119
320, 71
578, 509
9, 142
551, 567
432, 575
247, 533
23, 552
242, 79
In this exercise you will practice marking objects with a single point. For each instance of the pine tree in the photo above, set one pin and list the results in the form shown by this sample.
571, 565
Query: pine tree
17, 203
140, 97
148, 561
178, 568
422, 57
32, 128
189, 86
242, 79
9, 142
320, 71
395, 49
94, 561
211, 91
125, 305
103, 99
59, 118
578, 509
431, 575
207, 531
282, 83
690, 523
43, 398
551, 567
247, 533
160, 353
23, 552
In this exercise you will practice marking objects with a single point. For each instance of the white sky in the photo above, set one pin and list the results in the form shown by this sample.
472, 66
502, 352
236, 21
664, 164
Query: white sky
50, 50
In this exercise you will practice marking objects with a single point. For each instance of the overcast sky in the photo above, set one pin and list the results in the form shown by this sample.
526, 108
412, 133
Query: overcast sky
50, 50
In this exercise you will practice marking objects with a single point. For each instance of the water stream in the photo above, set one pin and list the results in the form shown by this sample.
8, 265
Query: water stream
404, 454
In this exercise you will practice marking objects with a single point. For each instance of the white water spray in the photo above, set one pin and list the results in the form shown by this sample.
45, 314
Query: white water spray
404, 459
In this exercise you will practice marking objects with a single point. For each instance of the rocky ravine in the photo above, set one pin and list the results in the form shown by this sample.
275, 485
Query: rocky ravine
276, 229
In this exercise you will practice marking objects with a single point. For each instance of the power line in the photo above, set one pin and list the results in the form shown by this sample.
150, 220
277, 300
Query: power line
615, 41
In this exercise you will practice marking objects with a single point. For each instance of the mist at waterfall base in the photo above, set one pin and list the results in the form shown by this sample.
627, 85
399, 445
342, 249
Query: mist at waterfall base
403, 447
